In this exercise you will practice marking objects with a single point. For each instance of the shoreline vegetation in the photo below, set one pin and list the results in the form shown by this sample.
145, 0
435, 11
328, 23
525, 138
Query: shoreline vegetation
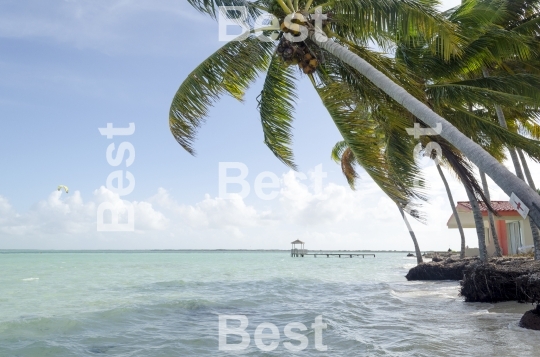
498, 280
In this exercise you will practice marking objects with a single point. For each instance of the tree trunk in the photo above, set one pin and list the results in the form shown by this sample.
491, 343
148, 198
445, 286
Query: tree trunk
519, 173
413, 236
479, 223
454, 211
511, 150
507, 181
494, 235
526, 169
534, 228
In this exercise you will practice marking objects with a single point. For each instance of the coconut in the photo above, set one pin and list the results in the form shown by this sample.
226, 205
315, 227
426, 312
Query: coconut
288, 53
298, 18
294, 29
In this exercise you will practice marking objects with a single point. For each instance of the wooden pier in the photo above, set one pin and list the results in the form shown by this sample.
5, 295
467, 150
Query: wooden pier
301, 252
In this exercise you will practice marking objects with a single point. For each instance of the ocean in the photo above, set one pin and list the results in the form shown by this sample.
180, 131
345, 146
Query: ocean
168, 304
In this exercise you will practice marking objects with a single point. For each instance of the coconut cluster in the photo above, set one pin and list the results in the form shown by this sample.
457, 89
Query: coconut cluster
297, 53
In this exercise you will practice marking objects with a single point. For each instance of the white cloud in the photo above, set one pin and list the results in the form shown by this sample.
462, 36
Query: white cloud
211, 213
298, 208
332, 205
334, 218
62, 214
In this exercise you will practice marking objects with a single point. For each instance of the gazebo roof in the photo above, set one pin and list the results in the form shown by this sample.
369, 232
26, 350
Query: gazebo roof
298, 241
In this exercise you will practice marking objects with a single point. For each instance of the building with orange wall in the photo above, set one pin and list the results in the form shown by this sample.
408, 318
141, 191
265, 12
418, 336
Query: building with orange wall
513, 231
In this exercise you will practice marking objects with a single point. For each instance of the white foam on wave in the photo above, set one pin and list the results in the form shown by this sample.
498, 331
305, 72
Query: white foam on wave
426, 289
480, 312
409, 266
30, 279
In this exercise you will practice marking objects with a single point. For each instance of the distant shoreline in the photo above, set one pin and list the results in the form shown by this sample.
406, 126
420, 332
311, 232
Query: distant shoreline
22, 251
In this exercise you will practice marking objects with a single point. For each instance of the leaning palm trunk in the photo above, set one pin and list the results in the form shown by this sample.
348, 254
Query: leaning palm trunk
454, 211
511, 150
534, 225
534, 228
502, 122
474, 152
519, 173
413, 236
494, 235
479, 223
526, 169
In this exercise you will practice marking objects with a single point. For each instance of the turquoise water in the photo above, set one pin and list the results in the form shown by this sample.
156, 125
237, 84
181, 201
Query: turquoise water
168, 304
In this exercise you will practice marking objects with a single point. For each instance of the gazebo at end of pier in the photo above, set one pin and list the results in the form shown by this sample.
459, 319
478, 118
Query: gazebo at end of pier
297, 252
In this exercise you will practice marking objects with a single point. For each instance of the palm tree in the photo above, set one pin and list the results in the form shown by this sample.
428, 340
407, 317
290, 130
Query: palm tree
521, 19
464, 172
534, 227
526, 169
498, 251
419, 258
500, 36
479, 224
345, 156
235, 66
454, 211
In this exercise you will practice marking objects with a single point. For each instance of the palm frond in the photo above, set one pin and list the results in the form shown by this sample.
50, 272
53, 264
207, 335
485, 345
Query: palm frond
487, 132
360, 134
338, 149
461, 92
276, 107
347, 167
231, 69
212, 8
363, 20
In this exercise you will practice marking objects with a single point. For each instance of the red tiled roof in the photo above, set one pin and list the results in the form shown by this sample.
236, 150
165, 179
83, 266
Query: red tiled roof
498, 206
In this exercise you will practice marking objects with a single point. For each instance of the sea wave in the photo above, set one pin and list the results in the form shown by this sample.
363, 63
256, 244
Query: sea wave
124, 308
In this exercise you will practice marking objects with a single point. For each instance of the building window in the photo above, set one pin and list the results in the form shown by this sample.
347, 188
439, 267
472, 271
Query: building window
515, 239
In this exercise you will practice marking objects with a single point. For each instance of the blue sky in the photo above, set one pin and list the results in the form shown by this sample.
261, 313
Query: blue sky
70, 67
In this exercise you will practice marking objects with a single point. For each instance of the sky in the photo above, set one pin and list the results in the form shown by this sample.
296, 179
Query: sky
69, 67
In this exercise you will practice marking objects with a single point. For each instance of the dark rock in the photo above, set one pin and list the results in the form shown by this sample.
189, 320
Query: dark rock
531, 319
502, 279
436, 259
530, 283
449, 269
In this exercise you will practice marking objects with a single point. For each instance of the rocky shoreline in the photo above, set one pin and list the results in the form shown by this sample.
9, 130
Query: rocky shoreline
501, 279
446, 269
